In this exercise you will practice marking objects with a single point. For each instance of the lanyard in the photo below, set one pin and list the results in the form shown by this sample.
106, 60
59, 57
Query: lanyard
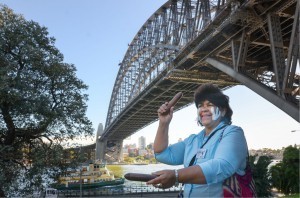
193, 159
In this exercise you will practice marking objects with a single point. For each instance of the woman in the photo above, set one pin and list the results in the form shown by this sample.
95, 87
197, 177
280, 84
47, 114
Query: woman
219, 150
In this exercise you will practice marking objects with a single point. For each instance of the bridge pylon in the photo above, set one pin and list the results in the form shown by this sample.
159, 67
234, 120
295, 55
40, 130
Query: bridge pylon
107, 150
100, 145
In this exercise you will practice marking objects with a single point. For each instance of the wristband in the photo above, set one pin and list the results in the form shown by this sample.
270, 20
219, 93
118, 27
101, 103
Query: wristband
176, 178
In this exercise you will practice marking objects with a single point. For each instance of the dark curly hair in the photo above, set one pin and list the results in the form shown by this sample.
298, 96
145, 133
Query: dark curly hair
214, 95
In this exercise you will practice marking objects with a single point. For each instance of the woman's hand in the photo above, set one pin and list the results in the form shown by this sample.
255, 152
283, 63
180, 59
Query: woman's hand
165, 179
165, 113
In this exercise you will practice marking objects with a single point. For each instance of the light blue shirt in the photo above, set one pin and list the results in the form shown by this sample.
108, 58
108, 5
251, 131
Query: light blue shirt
221, 158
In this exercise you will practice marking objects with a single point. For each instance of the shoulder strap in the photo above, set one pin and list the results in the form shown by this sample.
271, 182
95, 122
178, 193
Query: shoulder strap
193, 159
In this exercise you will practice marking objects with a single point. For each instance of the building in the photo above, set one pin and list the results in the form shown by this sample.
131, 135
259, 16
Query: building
142, 143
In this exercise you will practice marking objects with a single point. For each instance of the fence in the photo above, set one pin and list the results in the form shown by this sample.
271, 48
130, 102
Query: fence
120, 190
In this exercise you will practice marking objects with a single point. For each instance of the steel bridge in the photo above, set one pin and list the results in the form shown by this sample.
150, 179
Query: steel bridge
188, 42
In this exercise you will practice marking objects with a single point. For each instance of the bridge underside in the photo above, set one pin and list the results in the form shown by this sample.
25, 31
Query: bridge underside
143, 111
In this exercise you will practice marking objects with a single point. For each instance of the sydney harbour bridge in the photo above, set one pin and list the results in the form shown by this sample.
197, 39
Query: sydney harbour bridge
188, 42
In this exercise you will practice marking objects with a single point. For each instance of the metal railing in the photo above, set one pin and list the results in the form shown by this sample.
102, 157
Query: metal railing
120, 190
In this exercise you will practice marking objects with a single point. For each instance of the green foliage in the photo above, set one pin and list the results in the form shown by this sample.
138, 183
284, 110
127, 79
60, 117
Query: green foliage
261, 175
285, 175
152, 160
129, 160
139, 158
116, 170
41, 102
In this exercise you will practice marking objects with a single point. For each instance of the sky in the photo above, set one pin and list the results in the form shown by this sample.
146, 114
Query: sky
94, 36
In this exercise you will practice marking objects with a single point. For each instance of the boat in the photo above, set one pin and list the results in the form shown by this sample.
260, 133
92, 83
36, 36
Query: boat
88, 176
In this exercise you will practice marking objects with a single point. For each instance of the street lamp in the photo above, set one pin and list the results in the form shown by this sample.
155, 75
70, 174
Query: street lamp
294, 131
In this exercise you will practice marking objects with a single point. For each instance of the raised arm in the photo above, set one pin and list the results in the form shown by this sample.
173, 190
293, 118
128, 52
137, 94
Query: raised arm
161, 140
165, 114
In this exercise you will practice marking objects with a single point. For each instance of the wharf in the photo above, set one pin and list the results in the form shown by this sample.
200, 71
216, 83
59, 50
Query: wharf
129, 192
144, 194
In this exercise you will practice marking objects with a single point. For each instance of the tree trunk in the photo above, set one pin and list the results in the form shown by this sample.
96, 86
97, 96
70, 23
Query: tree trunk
2, 193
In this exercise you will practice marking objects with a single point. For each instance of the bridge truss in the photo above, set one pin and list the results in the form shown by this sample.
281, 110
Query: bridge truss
189, 42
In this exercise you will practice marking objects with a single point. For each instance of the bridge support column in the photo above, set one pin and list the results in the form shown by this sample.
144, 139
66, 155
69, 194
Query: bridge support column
100, 145
100, 150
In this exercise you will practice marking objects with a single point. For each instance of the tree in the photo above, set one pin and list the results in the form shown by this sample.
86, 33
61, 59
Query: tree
285, 175
261, 175
129, 160
41, 102
139, 158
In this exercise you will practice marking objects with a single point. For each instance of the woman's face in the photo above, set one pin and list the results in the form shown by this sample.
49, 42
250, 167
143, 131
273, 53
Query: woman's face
209, 114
